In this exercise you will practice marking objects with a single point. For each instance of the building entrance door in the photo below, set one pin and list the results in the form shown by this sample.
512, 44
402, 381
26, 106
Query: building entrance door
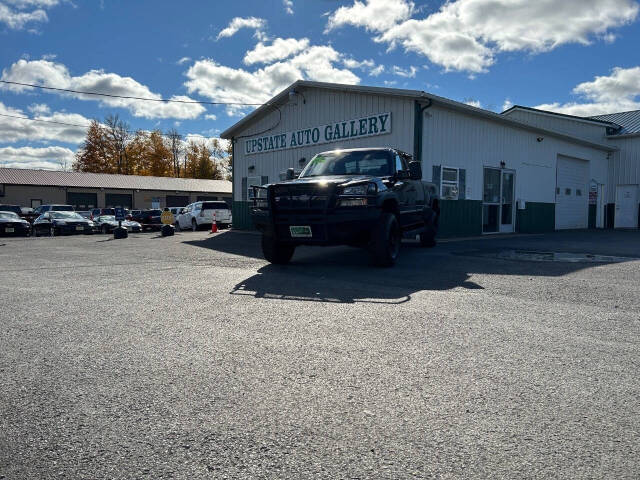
498, 204
626, 206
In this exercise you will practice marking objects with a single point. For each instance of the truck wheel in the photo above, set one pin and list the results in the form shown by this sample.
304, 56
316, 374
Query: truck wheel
276, 252
385, 245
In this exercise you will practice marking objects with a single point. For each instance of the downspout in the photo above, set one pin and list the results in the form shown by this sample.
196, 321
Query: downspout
417, 128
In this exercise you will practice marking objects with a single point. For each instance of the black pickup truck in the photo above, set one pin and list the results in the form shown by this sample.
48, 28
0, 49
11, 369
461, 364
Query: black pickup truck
369, 197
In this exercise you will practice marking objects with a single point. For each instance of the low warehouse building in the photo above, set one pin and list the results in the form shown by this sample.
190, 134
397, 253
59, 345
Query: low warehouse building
31, 188
496, 173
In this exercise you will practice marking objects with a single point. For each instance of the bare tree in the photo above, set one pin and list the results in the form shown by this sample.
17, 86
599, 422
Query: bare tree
176, 148
118, 133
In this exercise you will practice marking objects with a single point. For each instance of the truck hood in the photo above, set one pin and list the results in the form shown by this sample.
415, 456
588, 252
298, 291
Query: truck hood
329, 179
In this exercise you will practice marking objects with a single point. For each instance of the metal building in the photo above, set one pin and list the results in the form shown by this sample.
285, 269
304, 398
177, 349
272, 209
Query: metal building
31, 188
496, 173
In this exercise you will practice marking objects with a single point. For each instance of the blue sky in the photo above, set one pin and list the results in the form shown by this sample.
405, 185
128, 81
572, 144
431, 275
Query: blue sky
572, 56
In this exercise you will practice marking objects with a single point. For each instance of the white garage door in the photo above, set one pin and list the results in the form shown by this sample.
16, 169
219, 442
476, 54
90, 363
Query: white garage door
572, 194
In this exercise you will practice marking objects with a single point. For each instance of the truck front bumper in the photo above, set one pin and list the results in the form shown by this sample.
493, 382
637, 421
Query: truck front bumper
341, 226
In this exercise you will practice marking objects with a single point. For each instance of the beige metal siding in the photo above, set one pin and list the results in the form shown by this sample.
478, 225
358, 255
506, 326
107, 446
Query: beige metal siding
322, 107
22, 195
451, 138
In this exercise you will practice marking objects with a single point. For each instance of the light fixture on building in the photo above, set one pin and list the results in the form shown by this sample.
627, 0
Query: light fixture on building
302, 161
251, 168
293, 94
539, 139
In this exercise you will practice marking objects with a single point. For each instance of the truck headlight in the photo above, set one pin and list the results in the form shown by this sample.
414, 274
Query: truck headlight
355, 190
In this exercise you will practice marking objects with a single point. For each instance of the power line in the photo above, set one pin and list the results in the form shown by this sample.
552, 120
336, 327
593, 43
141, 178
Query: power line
145, 99
83, 126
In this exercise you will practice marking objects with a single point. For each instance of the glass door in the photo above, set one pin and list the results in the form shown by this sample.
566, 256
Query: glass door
506, 204
491, 201
498, 201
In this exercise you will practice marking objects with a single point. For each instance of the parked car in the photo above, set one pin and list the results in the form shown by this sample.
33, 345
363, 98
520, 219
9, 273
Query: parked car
28, 214
96, 212
22, 212
61, 223
106, 224
12, 224
53, 208
85, 213
368, 197
200, 214
149, 219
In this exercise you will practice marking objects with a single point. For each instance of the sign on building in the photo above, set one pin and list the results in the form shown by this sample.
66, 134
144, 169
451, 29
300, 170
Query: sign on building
371, 125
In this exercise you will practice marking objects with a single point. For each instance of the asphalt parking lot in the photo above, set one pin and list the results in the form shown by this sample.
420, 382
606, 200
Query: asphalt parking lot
191, 357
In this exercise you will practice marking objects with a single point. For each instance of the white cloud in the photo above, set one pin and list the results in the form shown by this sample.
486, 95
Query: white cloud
473, 103
46, 158
507, 105
225, 84
39, 108
22, 4
288, 6
404, 72
237, 23
14, 129
18, 20
468, 34
183, 60
376, 71
618, 92
210, 116
374, 15
57, 75
279, 49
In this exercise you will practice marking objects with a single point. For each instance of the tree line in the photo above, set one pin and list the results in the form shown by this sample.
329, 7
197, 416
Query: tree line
111, 147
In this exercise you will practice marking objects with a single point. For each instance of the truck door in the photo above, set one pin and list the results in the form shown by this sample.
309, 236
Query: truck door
407, 195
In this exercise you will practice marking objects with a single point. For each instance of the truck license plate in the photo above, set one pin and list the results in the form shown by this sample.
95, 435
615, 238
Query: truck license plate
9, 230
300, 231
79, 228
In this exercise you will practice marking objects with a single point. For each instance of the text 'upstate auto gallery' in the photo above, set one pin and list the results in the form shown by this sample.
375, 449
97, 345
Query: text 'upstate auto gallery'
357, 128
497, 173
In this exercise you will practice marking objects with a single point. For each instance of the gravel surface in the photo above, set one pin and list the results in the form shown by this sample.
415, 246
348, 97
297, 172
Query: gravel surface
191, 357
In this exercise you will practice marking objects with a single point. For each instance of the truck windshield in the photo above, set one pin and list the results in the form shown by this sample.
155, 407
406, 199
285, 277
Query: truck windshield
361, 162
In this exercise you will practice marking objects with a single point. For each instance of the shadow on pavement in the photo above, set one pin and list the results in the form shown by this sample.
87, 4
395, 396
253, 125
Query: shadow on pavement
345, 275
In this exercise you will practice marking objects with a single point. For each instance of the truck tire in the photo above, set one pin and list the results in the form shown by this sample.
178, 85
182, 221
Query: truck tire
276, 252
385, 242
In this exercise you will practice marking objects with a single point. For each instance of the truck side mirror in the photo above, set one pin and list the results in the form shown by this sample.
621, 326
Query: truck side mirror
415, 170
291, 174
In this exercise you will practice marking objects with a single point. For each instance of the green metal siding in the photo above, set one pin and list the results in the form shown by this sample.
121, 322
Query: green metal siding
460, 218
537, 217
242, 216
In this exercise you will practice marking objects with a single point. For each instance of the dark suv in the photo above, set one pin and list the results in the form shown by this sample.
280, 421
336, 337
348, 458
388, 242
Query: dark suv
149, 219
368, 197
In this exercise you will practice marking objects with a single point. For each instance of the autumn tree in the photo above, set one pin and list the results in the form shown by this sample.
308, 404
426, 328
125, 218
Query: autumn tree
176, 148
118, 134
95, 153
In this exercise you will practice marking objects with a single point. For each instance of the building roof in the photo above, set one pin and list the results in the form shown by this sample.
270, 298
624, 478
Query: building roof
23, 176
628, 121
418, 95
604, 123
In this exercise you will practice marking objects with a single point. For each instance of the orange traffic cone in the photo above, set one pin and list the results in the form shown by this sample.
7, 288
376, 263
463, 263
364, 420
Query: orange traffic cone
214, 225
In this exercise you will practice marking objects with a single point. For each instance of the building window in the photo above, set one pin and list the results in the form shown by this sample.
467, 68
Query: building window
450, 183
252, 181
578, 192
567, 191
